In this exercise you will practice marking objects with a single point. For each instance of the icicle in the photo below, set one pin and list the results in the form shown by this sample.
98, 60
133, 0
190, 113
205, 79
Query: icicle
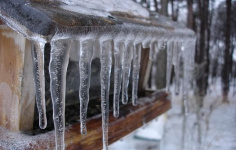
136, 68
175, 53
86, 54
106, 62
128, 56
152, 50
119, 49
38, 65
185, 87
188, 57
176, 63
154, 66
57, 69
157, 48
162, 45
169, 64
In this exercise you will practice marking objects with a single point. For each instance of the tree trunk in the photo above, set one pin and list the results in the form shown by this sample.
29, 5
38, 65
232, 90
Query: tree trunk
202, 55
174, 9
190, 17
156, 5
227, 66
164, 7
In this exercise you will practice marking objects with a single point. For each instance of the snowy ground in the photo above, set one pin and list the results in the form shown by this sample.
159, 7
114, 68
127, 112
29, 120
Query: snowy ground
211, 127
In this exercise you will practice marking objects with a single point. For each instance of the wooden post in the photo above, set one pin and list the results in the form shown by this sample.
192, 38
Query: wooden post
17, 92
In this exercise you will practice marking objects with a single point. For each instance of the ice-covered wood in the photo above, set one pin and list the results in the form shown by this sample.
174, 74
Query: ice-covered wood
130, 119
16, 81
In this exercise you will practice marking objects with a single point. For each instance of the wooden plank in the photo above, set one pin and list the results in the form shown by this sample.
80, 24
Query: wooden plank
131, 118
27, 102
15, 95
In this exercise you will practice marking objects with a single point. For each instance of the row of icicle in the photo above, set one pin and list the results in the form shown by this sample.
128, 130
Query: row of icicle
127, 56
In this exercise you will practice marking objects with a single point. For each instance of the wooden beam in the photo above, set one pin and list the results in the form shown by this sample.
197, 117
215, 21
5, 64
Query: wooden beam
131, 118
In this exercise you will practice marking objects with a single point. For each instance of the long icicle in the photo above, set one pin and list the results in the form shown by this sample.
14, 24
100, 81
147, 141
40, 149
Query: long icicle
152, 50
118, 50
176, 63
57, 69
169, 64
185, 79
135, 75
38, 69
86, 54
154, 66
128, 56
106, 63
188, 59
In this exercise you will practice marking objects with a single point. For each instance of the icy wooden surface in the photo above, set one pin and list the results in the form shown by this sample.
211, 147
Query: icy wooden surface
130, 119
46, 19
16, 83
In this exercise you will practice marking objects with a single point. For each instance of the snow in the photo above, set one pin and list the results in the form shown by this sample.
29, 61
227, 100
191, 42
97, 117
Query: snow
176, 131
101, 7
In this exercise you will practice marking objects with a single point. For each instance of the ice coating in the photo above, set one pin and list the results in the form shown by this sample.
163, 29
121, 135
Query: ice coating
118, 50
135, 75
106, 63
37, 49
86, 54
127, 59
101, 7
169, 63
176, 63
57, 69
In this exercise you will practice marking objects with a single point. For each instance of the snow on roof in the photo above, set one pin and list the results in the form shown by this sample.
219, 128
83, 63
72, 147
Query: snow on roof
102, 7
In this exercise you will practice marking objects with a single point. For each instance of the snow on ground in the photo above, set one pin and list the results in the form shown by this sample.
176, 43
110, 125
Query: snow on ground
210, 127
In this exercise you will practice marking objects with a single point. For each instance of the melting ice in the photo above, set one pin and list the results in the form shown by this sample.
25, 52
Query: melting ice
86, 54
125, 53
38, 65
58, 67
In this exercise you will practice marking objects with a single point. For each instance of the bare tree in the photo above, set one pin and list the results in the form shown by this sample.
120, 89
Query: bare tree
227, 66
164, 7
202, 53
190, 16
174, 9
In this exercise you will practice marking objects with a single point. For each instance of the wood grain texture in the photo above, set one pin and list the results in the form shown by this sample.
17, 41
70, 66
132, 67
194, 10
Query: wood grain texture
130, 119
12, 66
